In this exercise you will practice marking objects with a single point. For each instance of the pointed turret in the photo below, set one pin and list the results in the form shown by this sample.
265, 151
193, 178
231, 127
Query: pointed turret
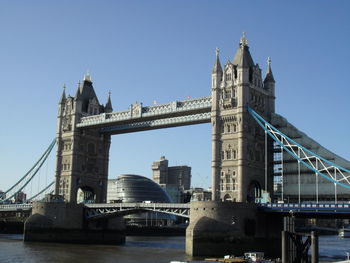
87, 92
217, 66
78, 94
269, 76
108, 107
63, 97
243, 58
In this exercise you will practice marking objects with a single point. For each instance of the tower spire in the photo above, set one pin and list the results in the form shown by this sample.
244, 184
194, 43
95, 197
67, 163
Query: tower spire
217, 66
243, 59
87, 76
63, 97
269, 76
109, 107
243, 41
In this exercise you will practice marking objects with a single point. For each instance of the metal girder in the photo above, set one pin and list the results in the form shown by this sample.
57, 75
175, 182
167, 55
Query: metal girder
319, 165
95, 211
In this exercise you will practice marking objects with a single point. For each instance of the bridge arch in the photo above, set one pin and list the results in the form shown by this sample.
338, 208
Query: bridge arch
254, 191
86, 194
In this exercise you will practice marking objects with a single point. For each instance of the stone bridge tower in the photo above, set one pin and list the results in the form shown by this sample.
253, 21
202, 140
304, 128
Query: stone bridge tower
82, 154
239, 166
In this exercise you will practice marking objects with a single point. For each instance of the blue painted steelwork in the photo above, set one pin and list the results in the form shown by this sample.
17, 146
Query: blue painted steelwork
319, 208
271, 130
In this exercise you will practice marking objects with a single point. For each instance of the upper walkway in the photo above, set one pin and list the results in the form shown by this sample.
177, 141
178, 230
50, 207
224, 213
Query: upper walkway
139, 118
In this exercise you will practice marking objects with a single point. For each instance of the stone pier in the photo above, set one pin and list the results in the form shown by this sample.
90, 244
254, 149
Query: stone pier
221, 228
64, 222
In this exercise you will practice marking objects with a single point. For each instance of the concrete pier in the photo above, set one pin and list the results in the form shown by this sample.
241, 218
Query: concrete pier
221, 228
64, 222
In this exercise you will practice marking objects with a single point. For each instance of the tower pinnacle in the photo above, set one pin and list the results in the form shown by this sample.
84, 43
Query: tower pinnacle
108, 107
87, 76
269, 76
243, 42
63, 97
217, 66
243, 59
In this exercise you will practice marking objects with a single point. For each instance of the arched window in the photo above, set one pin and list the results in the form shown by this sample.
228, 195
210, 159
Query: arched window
228, 128
234, 153
234, 127
228, 154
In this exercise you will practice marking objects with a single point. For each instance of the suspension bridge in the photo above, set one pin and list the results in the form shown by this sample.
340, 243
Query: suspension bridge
320, 167
254, 152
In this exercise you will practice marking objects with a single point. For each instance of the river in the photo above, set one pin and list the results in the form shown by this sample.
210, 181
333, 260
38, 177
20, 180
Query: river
136, 250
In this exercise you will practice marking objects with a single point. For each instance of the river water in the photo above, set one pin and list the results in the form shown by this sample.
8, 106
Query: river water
136, 250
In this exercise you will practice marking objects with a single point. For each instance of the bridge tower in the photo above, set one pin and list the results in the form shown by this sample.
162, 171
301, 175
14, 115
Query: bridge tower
82, 154
239, 166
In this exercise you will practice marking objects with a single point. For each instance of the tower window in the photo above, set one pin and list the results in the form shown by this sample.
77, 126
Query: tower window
228, 76
228, 128
228, 155
234, 128
234, 154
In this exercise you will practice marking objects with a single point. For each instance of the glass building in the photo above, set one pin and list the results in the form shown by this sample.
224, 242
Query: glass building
132, 188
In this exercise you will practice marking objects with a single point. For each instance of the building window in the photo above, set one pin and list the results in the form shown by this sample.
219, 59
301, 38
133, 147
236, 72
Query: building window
228, 128
228, 154
234, 153
228, 76
227, 94
234, 127
222, 155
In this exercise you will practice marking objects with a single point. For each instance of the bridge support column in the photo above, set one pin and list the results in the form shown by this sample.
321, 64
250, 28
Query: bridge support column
64, 222
221, 228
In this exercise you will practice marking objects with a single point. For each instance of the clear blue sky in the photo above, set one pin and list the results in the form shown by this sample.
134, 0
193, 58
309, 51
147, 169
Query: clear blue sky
164, 51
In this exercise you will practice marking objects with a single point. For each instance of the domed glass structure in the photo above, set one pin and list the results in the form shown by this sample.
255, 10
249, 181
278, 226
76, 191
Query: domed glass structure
131, 188
135, 188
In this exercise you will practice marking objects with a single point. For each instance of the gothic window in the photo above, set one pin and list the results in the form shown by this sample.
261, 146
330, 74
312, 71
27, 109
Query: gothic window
234, 153
228, 76
250, 74
228, 154
228, 182
233, 93
227, 94
234, 127
228, 128
222, 155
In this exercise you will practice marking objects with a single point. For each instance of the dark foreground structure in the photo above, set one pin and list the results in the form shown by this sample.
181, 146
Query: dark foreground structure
64, 222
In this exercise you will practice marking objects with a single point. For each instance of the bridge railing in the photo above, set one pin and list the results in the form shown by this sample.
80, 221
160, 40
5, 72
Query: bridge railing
13, 207
137, 111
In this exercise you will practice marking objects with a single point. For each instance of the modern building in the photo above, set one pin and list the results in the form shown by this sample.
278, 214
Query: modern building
296, 179
130, 188
112, 196
173, 179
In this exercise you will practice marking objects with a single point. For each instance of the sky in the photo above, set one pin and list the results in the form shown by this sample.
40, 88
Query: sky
164, 50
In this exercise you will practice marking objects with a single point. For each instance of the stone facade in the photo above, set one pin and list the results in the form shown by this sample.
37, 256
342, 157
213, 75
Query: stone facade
174, 179
82, 154
238, 143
